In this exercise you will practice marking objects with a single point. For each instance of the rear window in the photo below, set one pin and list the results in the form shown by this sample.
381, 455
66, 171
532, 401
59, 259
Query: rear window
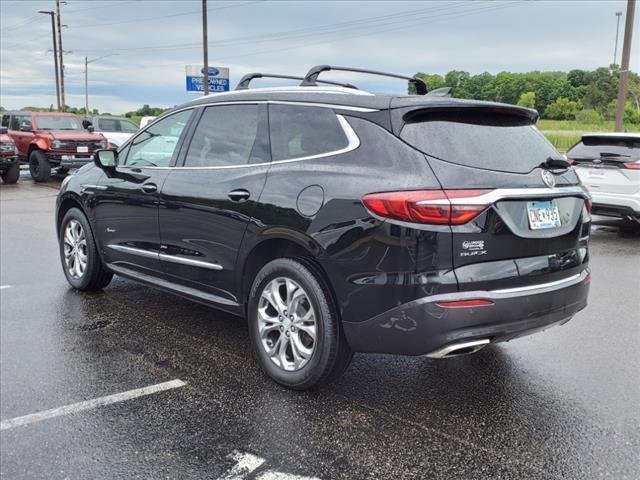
487, 140
598, 147
298, 131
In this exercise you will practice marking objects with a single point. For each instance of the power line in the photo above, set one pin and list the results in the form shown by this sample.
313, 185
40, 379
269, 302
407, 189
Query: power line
135, 20
111, 4
300, 32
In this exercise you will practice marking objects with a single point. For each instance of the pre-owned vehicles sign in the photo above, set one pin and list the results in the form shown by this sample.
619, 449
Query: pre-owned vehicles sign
218, 79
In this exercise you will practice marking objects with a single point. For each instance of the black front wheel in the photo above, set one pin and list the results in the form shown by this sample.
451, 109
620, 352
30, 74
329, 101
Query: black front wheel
294, 326
79, 255
11, 174
39, 166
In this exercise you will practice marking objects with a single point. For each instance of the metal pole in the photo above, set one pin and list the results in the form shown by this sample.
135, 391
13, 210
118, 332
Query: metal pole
615, 50
624, 67
63, 105
205, 47
86, 86
55, 52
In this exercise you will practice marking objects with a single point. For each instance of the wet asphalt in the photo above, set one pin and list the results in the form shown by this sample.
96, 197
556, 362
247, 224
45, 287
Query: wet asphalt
562, 404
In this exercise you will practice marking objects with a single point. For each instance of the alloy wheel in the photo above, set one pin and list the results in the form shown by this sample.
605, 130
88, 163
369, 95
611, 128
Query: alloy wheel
287, 324
75, 249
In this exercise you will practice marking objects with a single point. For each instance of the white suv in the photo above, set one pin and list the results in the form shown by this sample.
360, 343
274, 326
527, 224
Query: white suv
608, 164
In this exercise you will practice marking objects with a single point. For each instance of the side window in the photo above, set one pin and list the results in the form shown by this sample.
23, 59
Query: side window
155, 146
127, 126
298, 131
5, 121
229, 135
15, 122
108, 125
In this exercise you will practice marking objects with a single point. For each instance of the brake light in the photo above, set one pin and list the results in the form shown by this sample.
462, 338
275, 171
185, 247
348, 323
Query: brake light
436, 207
587, 204
632, 165
465, 303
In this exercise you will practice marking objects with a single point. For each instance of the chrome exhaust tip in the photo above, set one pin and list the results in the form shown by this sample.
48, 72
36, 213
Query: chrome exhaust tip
456, 349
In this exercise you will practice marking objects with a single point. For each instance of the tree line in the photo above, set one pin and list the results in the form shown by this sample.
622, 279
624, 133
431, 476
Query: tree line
584, 95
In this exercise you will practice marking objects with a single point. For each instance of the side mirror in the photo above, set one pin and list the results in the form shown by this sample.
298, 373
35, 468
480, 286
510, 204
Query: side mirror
107, 160
86, 124
3, 130
91, 128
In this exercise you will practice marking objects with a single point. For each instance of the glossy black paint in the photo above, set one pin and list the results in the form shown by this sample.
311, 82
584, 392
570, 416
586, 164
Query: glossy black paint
378, 269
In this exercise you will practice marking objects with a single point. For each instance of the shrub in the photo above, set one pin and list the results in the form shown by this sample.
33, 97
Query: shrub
589, 116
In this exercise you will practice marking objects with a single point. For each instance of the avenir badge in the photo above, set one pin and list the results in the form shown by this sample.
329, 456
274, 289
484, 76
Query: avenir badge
473, 248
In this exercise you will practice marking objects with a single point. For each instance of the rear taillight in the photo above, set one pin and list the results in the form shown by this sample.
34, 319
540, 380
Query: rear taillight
437, 207
632, 165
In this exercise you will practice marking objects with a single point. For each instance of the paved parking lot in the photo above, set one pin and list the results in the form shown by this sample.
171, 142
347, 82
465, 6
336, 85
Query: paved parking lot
561, 404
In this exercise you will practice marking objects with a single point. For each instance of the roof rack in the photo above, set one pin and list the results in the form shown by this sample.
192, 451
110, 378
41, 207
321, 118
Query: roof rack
244, 82
311, 78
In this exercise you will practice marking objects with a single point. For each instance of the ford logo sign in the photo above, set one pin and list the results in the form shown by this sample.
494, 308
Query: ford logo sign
213, 71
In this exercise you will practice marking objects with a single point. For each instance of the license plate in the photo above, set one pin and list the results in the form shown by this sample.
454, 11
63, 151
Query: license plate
543, 215
83, 150
596, 173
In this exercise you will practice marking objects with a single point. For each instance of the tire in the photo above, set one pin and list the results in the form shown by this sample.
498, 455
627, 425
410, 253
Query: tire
39, 166
304, 362
75, 236
11, 174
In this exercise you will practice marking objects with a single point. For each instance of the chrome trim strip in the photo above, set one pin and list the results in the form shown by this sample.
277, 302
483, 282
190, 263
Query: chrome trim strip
451, 349
88, 186
163, 256
189, 261
352, 139
537, 287
506, 193
134, 251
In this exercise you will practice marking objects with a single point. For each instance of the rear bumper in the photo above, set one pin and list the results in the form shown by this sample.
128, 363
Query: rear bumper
615, 205
422, 327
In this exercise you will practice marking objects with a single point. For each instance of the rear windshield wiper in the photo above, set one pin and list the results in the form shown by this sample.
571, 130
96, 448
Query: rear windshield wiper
555, 162
612, 154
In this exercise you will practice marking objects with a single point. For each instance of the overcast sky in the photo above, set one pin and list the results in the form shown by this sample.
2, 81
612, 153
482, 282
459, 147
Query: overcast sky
150, 42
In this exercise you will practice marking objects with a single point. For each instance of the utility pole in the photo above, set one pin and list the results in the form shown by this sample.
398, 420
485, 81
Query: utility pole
205, 47
63, 105
86, 79
55, 52
86, 86
615, 50
624, 66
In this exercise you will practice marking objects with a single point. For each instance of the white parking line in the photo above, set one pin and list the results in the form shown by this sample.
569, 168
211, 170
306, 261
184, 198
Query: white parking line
89, 404
247, 463
2, 287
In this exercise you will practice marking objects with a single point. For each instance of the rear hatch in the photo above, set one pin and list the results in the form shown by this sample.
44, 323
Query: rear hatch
534, 222
608, 164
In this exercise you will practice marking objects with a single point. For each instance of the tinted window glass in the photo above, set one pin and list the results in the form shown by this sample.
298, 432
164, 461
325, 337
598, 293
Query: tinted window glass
128, 127
485, 140
109, 125
5, 121
54, 122
155, 146
16, 120
591, 148
226, 136
304, 131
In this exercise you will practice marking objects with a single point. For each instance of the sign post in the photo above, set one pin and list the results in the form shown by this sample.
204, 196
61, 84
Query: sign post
218, 79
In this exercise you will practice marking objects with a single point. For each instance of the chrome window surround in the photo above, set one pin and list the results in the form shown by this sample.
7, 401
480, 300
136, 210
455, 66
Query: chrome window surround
163, 256
352, 137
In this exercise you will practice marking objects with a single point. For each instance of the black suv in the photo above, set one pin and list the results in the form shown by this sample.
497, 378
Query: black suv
337, 221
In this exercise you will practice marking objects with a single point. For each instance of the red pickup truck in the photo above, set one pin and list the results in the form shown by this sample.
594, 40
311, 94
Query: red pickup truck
49, 140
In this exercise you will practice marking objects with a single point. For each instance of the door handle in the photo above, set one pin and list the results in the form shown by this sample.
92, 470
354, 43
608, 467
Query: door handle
239, 195
149, 188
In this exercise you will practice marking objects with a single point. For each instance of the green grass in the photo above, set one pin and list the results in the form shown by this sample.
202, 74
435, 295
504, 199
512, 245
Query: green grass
564, 133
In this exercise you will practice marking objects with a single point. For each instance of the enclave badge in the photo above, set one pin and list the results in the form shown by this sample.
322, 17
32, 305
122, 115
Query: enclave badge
548, 178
